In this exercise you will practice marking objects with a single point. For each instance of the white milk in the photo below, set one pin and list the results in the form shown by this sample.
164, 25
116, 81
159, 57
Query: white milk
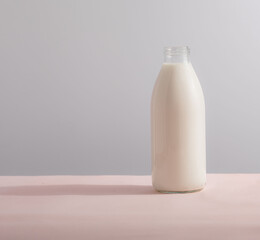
178, 128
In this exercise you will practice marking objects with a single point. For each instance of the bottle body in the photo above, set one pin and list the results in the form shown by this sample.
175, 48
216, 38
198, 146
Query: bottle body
178, 130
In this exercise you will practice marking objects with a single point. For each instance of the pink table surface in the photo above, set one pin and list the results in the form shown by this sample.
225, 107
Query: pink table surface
126, 207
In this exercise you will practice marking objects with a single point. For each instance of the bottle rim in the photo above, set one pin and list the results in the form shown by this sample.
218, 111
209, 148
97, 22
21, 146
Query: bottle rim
176, 50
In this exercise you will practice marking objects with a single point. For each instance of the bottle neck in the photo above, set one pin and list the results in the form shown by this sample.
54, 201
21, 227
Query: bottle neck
176, 55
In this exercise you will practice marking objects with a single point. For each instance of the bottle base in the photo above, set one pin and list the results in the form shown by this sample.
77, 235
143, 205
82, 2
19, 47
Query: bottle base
172, 192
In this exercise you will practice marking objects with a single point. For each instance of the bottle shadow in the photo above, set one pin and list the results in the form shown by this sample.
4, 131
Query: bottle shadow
77, 189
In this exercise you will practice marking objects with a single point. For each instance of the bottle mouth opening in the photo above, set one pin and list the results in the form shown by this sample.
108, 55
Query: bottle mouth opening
178, 50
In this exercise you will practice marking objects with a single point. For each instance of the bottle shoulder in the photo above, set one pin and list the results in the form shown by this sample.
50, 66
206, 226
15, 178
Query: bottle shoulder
176, 73
177, 81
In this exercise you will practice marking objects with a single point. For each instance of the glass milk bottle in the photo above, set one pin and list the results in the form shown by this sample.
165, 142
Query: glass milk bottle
178, 126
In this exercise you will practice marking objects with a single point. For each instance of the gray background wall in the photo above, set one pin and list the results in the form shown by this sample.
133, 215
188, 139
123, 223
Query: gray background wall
76, 79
